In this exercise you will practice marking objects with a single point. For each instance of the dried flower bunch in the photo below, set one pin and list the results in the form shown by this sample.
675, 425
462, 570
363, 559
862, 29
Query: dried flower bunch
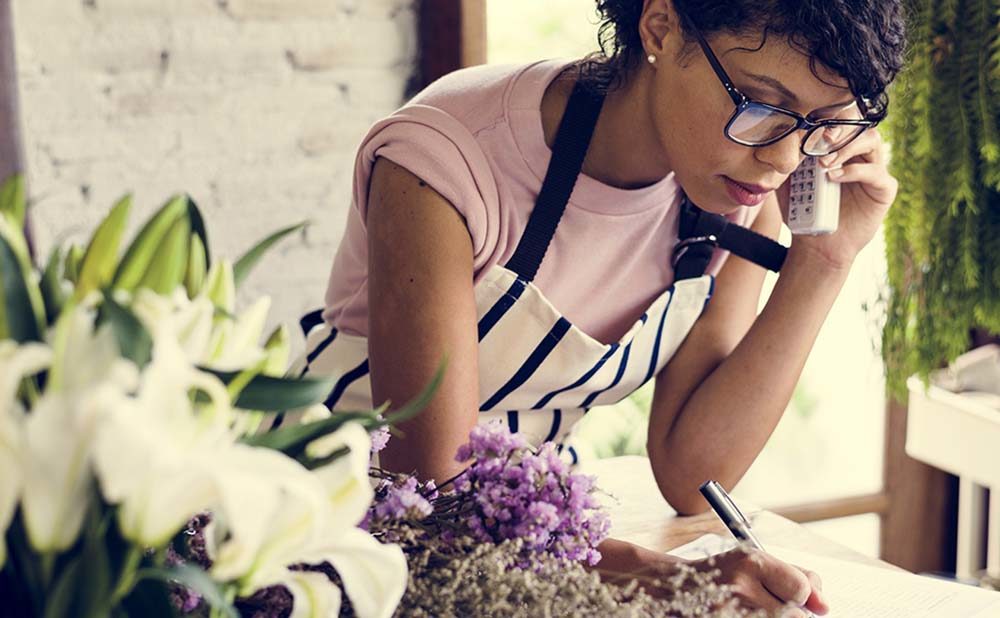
464, 577
509, 491
512, 535
498, 540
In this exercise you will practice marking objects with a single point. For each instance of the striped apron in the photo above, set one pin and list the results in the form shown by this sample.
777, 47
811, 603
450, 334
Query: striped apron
538, 373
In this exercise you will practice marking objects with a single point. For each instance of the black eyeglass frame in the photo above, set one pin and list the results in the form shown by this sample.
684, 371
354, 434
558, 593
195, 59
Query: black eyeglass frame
743, 102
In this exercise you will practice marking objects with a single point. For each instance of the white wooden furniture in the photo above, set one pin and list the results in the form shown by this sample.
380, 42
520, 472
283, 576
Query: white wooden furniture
960, 433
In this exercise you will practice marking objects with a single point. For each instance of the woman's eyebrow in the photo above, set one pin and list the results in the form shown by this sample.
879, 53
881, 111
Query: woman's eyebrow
788, 95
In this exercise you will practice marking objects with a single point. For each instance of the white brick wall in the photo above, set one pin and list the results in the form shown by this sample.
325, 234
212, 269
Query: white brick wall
254, 107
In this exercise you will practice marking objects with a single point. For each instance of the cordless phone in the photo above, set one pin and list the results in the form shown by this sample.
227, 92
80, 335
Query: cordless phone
813, 200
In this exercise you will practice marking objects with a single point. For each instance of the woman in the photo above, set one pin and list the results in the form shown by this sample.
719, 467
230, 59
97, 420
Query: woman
547, 301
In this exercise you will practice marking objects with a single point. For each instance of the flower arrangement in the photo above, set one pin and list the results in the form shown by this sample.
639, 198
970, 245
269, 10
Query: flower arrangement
512, 534
130, 394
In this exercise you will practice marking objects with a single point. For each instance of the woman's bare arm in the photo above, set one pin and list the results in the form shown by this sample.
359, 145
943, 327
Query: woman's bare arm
421, 310
721, 396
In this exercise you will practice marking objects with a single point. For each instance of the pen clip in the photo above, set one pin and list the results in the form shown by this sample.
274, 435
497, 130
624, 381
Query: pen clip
735, 509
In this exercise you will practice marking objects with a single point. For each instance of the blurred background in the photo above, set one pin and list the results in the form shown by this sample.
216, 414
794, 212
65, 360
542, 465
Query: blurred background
255, 108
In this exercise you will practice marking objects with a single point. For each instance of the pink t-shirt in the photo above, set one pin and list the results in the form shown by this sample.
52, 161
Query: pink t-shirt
476, 137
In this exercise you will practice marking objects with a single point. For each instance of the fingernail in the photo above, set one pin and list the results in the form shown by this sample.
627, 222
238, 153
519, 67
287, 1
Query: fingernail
828, 160
835, 173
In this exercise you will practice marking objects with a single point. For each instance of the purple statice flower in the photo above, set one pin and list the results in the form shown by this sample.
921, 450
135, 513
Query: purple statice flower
489, 441
192, 545
430, 490
403, 501
380, 437
529, 495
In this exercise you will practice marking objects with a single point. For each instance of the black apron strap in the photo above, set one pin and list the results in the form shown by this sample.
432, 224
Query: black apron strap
572, 139
702, 232
310, 321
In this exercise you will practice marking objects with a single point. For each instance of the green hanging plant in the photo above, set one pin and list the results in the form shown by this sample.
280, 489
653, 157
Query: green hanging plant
943, 233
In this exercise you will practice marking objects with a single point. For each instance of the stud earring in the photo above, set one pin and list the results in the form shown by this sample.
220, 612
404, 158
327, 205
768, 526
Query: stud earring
651, 58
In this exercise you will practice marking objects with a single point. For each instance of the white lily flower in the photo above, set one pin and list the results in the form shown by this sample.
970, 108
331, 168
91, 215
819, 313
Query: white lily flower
220, 285
86, 374
189, 320
236, 343
228, 343
345, 479
374, 574
272, 508
16, 362
278, 514
312, 595
83, 358
154, 454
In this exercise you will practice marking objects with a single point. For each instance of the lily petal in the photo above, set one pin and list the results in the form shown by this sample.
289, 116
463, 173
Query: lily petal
313, 594
346, 478
374, 574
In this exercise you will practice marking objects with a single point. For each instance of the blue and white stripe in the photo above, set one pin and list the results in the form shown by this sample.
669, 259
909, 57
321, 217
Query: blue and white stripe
538, 372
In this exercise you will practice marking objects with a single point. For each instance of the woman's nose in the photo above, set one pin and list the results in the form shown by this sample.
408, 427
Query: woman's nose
784, 155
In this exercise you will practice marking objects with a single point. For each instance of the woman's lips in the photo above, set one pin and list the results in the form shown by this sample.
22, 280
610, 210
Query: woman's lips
746, 195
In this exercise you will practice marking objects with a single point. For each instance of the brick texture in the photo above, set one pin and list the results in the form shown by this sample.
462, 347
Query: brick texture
254, 107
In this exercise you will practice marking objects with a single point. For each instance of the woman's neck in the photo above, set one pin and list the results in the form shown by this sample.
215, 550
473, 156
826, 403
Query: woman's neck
625, 151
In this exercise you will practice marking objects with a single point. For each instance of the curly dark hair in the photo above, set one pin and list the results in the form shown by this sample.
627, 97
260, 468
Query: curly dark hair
863, 41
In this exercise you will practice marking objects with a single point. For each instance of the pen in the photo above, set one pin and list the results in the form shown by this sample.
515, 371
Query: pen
730, 514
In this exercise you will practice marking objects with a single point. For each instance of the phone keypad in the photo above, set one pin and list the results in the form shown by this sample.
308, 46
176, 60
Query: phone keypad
802, 193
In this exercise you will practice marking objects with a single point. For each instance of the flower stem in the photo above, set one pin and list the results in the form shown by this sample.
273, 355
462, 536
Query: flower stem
48, 566
218, 612
129, 570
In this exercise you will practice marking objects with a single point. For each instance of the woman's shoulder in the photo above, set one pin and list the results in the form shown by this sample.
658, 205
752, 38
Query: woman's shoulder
482, 95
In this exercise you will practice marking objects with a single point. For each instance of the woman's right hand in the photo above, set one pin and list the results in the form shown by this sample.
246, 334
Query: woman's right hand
761, 581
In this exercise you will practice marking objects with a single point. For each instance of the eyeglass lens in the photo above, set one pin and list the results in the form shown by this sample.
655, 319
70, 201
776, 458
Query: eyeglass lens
756, 124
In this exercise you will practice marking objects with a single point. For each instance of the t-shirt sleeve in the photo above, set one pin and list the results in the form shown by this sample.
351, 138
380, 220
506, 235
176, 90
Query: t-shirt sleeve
442, 152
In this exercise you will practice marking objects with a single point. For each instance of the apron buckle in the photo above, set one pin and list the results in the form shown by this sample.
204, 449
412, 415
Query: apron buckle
689, 243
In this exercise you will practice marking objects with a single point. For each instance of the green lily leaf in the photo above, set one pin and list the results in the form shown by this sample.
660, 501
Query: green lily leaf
245, 264
150, 598
133, 339
13, 204
85, 581
54, 296
22, 311
61, 598
145, 247
101, 259
166, 269
243, 378
195, 579
271, 394
292, 440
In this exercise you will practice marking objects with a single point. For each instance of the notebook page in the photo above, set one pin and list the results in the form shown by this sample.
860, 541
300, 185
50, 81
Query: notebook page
862, 591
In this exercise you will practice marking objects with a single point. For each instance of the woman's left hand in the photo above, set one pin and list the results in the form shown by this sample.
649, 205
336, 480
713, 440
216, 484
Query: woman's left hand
867, 192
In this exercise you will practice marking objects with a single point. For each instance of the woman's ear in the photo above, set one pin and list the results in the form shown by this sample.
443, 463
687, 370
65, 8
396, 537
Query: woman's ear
656, 26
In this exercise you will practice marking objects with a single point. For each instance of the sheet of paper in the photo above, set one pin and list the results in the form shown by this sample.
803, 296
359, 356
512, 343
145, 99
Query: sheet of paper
862, 591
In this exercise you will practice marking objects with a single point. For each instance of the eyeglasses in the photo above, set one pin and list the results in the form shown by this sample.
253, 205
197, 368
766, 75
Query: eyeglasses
759, 124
